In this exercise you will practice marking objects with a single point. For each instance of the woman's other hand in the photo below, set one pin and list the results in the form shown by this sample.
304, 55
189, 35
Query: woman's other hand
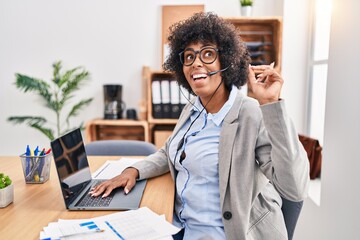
265, 83
126, 179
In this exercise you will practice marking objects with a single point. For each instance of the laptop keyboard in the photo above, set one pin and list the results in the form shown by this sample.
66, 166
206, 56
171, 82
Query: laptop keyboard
89, 201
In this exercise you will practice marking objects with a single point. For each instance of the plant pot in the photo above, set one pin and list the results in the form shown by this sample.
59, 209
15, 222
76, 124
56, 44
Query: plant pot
246, 11
6, 195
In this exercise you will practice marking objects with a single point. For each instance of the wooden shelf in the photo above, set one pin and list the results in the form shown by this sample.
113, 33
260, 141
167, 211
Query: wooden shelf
104, 129
265, 31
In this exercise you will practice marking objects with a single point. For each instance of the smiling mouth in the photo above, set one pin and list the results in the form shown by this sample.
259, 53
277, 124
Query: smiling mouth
199, 76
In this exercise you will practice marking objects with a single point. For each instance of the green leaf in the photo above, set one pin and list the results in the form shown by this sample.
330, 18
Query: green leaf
27, 119
74, 83
34, 122
246, 2
71, 85
76, 108
27, 83
4, 181
67, 76
41, 87
7, 181
56, 72
46, 131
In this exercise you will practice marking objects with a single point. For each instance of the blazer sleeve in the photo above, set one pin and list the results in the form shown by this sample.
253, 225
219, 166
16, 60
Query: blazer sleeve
158, 163
154, 165
284, 160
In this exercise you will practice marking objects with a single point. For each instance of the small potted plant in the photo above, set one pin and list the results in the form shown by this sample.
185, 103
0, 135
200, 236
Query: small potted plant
246, 7
6, 190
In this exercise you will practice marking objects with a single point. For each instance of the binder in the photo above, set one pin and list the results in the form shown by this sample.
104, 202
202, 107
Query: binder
156, 99
175, 99
165, 98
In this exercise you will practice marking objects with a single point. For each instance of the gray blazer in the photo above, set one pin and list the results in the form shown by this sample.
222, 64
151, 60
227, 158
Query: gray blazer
260, 157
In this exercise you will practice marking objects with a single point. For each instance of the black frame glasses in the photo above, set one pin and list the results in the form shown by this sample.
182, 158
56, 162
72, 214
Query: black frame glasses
207, 55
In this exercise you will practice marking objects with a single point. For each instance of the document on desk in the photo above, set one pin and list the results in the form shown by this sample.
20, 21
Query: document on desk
130, 225
112, 168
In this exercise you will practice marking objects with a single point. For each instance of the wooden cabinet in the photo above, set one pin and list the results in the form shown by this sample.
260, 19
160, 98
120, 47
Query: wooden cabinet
104, 129
160, 124
263, 36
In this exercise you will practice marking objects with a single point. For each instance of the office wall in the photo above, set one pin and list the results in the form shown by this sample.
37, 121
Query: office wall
337, 217
111, 39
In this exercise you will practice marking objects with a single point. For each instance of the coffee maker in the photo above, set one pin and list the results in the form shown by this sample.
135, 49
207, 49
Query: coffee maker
113, 104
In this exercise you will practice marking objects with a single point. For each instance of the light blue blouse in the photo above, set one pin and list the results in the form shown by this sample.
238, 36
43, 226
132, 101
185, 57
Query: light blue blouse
197, 202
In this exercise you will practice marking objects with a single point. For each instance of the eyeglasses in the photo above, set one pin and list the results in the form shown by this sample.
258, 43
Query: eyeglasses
207, 55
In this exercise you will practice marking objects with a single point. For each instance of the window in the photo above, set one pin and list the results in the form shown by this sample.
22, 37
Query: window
318, 68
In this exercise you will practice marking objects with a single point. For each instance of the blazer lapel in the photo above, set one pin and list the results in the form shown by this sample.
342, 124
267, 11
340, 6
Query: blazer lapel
226, 145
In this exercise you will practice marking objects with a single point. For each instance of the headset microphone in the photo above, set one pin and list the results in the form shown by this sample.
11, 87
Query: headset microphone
215, 72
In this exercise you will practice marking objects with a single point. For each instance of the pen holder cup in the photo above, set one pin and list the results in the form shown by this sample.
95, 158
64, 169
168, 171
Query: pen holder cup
36, 169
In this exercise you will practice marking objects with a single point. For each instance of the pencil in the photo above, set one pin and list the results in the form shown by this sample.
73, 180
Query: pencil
81, 233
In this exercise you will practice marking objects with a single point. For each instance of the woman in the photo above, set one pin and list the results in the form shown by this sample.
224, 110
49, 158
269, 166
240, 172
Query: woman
230, 158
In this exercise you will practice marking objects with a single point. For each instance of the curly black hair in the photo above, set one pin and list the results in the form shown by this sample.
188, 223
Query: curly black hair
208, 28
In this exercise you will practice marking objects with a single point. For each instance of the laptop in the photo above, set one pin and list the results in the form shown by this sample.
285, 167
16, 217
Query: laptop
76, 181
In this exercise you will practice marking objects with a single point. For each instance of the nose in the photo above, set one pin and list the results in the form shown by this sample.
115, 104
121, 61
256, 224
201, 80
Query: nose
197, 60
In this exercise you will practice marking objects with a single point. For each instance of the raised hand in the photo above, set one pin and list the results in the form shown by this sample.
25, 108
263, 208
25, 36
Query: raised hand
266, 85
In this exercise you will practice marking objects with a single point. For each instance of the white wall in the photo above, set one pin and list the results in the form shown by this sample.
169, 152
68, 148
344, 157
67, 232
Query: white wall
337, 217
111, 39
296, 36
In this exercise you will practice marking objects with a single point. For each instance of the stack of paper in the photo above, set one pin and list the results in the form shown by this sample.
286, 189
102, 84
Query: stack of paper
112, 168
130, 225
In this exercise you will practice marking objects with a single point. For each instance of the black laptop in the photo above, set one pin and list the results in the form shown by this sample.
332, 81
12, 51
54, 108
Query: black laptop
75, 178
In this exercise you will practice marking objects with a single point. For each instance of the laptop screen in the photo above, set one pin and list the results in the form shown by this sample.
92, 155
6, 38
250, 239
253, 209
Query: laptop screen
71, 164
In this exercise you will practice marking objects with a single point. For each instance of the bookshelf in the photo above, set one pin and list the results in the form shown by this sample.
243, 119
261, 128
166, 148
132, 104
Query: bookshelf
263, 36
161, 124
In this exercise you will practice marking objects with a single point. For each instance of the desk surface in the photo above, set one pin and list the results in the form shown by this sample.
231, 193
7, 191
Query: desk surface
35, 205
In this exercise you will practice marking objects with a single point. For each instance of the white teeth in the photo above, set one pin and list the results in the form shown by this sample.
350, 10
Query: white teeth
201, 75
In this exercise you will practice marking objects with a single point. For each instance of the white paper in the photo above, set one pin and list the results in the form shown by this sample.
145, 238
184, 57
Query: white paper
133, 224
112, 168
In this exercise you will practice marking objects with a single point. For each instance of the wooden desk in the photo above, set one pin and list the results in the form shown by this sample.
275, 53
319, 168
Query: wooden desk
35, 205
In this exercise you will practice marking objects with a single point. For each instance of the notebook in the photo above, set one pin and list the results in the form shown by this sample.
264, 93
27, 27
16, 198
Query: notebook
75, 178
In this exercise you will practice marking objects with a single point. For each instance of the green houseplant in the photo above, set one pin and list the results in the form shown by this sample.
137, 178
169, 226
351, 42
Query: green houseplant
246, 3
56, 95
6, 190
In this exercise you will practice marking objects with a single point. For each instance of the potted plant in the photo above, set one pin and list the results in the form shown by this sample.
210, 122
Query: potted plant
246, 7
56, 95
6, 190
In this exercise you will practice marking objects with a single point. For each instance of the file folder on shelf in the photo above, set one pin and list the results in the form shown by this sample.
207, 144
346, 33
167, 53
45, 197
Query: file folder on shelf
175, 100
165, 98
156, 99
